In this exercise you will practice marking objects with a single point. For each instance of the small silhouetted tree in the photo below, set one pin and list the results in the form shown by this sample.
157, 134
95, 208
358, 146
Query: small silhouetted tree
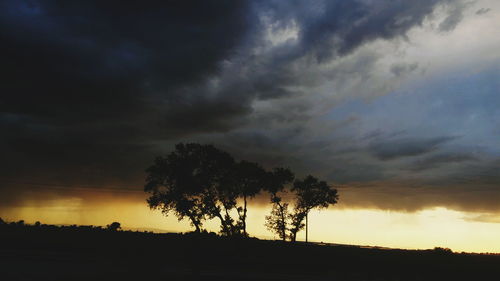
114, 226
2, 222
276, 181
277, 220
310, 193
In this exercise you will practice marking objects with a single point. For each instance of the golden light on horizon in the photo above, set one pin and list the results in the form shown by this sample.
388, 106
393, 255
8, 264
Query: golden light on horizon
428, 228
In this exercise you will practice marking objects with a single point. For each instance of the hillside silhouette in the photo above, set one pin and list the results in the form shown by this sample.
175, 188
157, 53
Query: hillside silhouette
48, 252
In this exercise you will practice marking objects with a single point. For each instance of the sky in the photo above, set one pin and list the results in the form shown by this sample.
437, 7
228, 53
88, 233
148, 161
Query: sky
394, 103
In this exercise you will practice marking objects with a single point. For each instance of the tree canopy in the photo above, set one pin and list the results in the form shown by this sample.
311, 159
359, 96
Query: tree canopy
191, 182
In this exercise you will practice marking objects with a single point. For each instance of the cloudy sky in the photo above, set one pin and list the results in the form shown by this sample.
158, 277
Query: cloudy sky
394, 102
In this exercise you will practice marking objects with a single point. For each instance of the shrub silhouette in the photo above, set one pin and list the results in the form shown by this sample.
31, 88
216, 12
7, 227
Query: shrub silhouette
114, 226
442, 250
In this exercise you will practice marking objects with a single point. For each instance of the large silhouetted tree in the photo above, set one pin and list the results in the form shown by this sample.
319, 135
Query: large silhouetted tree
202, 182
191, 182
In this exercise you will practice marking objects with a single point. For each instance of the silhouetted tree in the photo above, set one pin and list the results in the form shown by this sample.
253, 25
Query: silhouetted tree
277, 221
193, 182
2, 221
247, 180
310, 193
114, 226
201, 182
275, 184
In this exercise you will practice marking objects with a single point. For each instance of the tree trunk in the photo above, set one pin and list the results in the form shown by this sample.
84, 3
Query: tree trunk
243, 221
306, 226
283, 222
196, 223
223, 224
197, 226
229, 224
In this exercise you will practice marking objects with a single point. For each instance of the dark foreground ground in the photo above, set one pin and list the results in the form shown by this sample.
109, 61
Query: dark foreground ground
31, 253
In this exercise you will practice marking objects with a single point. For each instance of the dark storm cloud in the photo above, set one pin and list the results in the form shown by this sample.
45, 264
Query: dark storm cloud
407, 147
78, 62
325, 30
84, 84
329, 28
34, 152
440, 159
345, 173
480, 173
141, 66
411, 197
92, 91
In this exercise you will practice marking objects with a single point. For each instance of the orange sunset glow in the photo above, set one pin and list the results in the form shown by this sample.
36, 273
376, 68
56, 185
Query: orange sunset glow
422, 229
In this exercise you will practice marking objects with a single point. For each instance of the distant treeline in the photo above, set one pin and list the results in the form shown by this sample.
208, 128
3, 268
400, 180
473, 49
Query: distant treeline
114, 226
200, 182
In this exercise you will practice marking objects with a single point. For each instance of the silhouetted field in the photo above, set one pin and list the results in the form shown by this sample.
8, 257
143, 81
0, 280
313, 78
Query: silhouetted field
87, 253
